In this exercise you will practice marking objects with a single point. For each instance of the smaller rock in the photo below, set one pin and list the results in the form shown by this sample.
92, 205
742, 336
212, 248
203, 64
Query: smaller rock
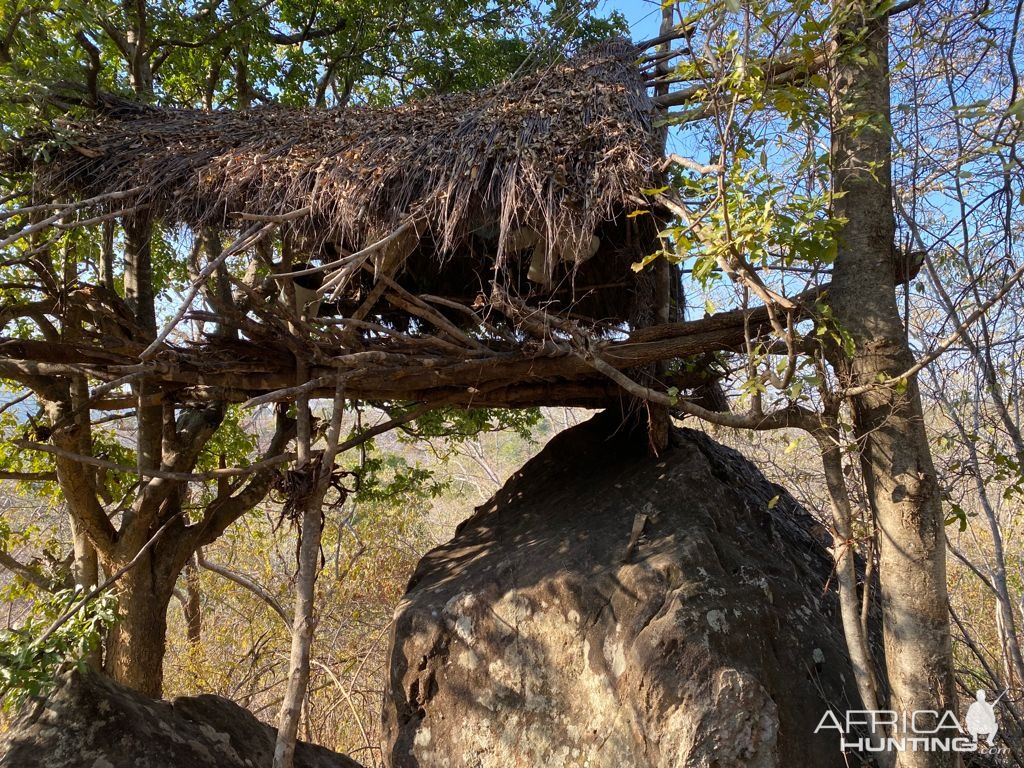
91, 722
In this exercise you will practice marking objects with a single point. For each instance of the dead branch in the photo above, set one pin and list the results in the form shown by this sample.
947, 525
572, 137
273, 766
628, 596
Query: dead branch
244, 582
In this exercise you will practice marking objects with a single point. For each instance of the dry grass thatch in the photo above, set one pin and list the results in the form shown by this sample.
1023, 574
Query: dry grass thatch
558, 151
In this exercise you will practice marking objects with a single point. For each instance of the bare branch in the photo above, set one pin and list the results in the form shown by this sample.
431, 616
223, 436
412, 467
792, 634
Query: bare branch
245, 240
245, 582
943, 346
792, 416
26, 572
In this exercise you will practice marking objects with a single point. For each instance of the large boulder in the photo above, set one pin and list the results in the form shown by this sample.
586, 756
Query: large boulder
91, 722
540, 636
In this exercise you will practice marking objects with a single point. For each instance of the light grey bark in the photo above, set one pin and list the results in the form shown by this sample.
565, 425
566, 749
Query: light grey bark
846, 575
311, 530
902, 486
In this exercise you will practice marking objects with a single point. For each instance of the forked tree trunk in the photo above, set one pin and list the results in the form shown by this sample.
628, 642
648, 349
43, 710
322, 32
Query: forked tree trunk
901, 483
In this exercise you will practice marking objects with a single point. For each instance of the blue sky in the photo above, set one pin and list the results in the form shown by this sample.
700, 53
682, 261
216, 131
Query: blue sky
644, 16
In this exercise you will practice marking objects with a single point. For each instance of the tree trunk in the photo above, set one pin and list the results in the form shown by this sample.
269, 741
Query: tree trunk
85, 567
303, 628
137, 642
192, 608
139, 295
139, 292
846, 576
659, 424
898, 471
311, 532
106, 264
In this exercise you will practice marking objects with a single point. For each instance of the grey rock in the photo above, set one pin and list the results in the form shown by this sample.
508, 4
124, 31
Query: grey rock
539, 637
91, 722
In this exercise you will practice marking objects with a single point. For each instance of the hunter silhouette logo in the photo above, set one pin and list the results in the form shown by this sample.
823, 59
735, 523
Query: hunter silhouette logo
981, 718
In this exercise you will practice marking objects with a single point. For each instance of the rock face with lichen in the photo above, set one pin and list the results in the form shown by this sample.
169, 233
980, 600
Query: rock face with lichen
91, 722
541, 636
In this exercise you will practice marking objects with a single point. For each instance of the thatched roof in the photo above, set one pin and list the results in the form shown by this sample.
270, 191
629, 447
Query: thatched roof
558, 151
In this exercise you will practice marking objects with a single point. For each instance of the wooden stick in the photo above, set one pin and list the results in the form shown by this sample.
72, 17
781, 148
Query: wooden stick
691, 165
347, 259
413, 305
287, 393
67, 207
359, 259
662, 56
97, 219
467, 311
246, 240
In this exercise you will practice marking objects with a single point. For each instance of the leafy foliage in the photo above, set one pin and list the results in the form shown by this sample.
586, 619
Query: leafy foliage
29, 667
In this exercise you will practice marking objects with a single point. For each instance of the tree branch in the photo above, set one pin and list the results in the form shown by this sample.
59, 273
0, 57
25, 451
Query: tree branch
245, 582
307, 35
226, 508
29, 477
26, 572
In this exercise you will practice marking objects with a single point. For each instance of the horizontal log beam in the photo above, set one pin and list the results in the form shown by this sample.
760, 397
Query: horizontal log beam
529, 374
